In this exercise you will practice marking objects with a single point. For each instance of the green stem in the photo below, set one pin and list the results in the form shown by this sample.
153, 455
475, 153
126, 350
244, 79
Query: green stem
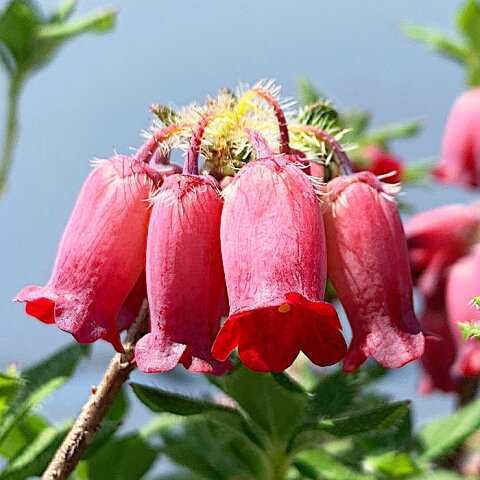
279, 463
11, 133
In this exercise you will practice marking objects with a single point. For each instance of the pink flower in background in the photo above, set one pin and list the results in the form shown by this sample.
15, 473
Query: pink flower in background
460, 157
440, 352
101, 254
462, 285
436, 239
273, 248
185, 280
368, 266
382, 162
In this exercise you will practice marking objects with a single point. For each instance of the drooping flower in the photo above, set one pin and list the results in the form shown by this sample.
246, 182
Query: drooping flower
368, 266
132, 304
273, 248
462, 285
436, 239
101, 254
460, 157
185, 280
440, 352
382, 163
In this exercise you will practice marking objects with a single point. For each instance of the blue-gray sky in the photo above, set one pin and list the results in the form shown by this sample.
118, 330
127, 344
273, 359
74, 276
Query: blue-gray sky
95, 96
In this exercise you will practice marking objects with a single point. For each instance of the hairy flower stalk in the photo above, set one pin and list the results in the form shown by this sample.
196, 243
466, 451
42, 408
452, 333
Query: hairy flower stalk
185, 280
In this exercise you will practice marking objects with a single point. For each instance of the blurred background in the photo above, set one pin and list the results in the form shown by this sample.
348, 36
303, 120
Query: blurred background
94, 98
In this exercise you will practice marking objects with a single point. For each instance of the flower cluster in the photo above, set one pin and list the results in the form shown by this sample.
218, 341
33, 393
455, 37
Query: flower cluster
257, 252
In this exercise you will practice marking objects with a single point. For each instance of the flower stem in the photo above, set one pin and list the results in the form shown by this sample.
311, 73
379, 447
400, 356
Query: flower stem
88, 422
11, 133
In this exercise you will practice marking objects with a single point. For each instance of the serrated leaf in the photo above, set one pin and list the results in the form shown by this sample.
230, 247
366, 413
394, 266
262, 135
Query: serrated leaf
208, 449
437, 41
442, 436
468, 21
334, 395
126, 458
329, 468
162, 401
40, 381
307, 92
288, 383
34, 458
272, 407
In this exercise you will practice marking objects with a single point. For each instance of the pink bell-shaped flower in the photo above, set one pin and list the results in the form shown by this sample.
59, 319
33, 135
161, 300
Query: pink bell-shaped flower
436, 239
368, 266
101, 254
463, 283
440, 352
460, 157
185, 280
273, 248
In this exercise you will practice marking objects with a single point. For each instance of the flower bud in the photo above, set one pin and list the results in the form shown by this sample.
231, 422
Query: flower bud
463, 283
460, 157
101, 254
368, 266
273, 248
436, 239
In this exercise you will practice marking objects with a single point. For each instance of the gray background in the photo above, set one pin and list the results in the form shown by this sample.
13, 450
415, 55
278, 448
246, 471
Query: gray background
94, 98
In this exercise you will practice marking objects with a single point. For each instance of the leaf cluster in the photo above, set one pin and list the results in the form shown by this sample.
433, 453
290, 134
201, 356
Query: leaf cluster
463, 49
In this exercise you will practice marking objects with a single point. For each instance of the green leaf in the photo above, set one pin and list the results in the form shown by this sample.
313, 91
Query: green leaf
288, 383
126, 458
437, 41
393, 464
470, 330
34, 458
418, 172
356, 121
334, 395
384, 135
307, 92
23, 434
161, 401
9, 384
18, 24
274, 408
468, 22
328, 468
40, 381
64, 11
101, 21
165, 114
439, 475
442, 436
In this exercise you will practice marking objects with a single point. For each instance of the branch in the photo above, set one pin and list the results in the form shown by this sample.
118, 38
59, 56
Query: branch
88, 422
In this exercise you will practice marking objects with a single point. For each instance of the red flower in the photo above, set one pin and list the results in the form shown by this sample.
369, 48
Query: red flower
460, 158
440, 352
436, 239
382, 162
185, 281
273, 247
101, 254
368, 266
463, 283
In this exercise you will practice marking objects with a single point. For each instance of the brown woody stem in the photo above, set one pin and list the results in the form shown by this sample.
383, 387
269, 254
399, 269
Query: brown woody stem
93, 412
